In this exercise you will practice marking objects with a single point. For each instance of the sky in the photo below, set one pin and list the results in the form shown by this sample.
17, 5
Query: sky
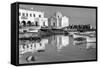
76, 15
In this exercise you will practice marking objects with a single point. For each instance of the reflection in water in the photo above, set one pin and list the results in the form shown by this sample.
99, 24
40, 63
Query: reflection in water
55, 48
87, 41
90, 45
86, 45
35, 46
59, 41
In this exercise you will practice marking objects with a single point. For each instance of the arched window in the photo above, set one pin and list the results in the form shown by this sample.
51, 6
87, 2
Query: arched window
43, 23
54, 24
27, 46
27, 14
30, 15
36, 23
33, 15
39, 15
23, 14
29, 23
24, 23
35, 45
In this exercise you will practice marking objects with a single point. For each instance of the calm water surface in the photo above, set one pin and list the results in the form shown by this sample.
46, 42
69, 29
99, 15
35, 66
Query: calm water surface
55, 48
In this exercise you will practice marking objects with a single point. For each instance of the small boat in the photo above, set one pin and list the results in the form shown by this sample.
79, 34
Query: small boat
79, 42
84, 34
75, 35
71, 33
54, 31
79, 39
28, 35
90, 45
90, 32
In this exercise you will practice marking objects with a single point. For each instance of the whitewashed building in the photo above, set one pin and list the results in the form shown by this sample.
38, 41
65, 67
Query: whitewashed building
34, 19
58, 21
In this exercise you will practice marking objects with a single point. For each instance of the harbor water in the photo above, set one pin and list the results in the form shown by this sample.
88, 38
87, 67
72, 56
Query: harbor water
55, 48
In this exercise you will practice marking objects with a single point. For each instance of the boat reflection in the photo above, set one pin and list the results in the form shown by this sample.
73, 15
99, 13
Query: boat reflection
87, 42
91, 46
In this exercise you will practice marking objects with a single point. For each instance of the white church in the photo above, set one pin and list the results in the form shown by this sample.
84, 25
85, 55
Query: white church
58, 21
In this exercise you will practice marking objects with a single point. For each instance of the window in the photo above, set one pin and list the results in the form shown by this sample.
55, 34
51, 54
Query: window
24, 23
40, 44
31, 46
27, 14
36, 23
43, 23
35, 45
30, 15
60, 24
54, 24
29, 23
39, 15
27, 46
33, 15
23, 14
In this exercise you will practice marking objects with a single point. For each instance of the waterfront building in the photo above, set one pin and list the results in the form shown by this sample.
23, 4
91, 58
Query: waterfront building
52, 22
65, 21
30, 19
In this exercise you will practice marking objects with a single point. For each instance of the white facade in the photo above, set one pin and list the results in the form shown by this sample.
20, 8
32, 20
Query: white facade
65, 21
33, 18
58, 21
29, 15
44, 22
62, 21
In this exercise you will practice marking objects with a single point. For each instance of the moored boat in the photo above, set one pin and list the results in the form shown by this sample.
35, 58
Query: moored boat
78, 35
28, 34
